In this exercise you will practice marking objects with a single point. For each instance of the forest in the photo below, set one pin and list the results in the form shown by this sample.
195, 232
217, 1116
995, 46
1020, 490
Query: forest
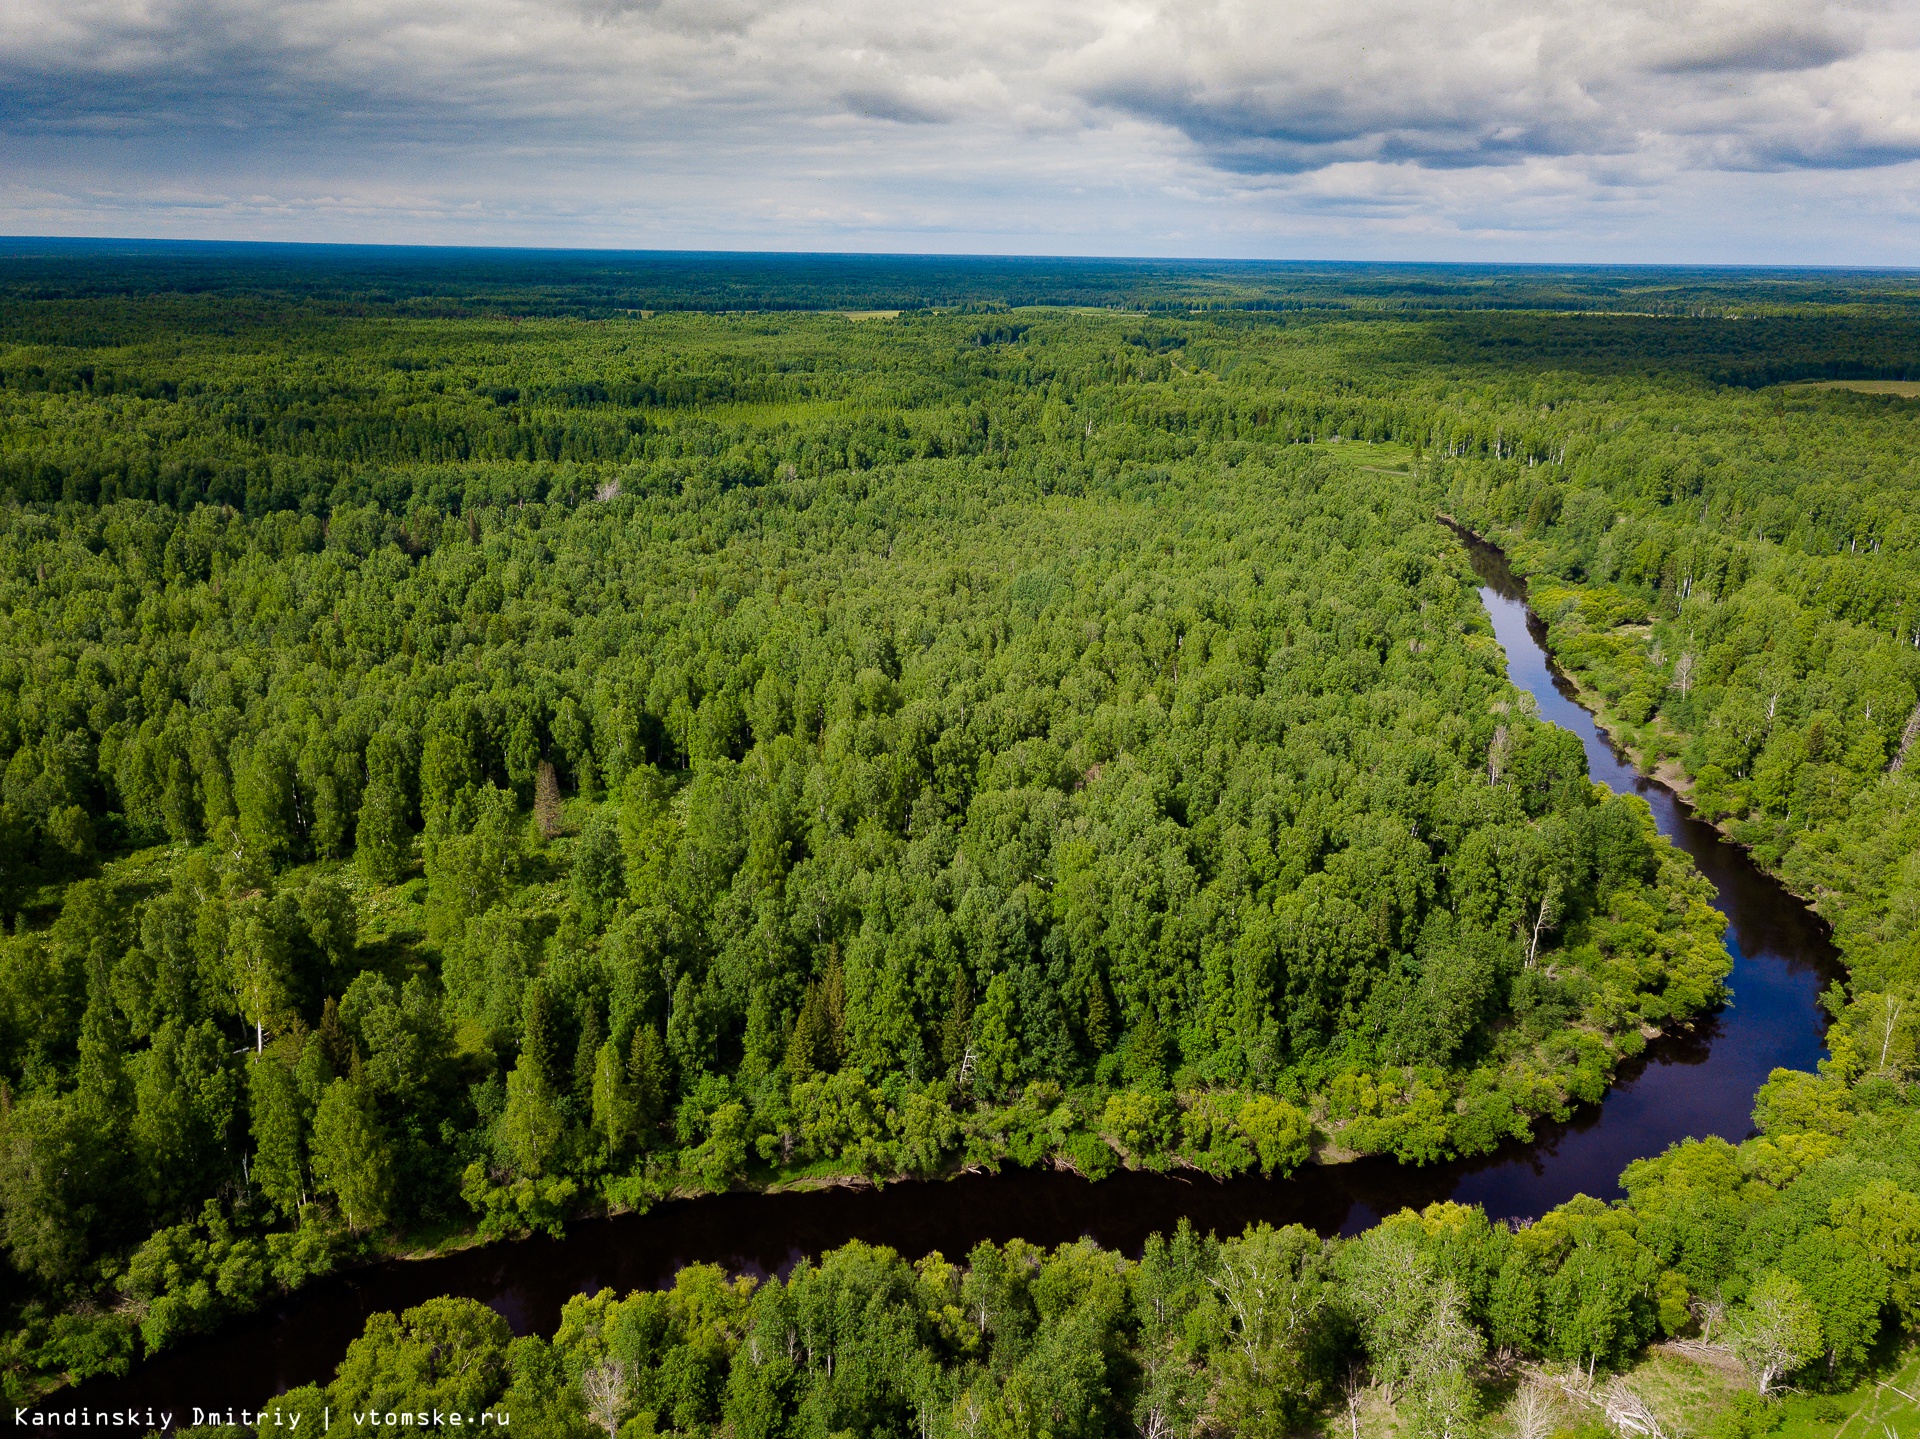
470, 766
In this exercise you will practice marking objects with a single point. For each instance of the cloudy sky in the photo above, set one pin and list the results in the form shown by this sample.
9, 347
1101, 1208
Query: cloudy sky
1606, 130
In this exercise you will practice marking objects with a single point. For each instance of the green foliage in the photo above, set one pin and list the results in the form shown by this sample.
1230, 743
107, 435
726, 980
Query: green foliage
1777, 1331
351, 1158
1749, 1416
939, 740
1142, 1123
275, 1107
448, 1354
519, 1207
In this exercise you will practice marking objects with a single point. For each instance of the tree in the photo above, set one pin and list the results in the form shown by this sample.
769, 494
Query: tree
647, 1070
721, 1157
1387, 1287
1275, 1285
531, 1127
52, 1183
818, 1040
382, 842
260, 960
604, 1387
1514, 1313
71, 831
469, 869
540, 1038
332, 923
1280, 1133
304, 1408
1441, 1398
996, 1037
1593, 1299
927, 1130
1791, 1102
599, 878
615, 1114
269, 806
403, 1038
1142, 1122
1776, 1331
447, 767
1534, 1412
447, 1354
351, 1157
184, 1098
279, 1147
1848, 1285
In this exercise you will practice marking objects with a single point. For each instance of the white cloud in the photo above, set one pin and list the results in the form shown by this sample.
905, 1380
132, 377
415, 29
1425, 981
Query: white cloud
1560, 128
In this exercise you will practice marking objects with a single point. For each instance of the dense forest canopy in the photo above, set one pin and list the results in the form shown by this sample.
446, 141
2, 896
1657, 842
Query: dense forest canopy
387, 279
473, 759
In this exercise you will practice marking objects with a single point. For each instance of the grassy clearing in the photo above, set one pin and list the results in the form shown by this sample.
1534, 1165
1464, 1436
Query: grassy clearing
1695, 1398
1379, 459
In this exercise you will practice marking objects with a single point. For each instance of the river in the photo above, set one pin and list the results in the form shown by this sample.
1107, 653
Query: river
1696, 1084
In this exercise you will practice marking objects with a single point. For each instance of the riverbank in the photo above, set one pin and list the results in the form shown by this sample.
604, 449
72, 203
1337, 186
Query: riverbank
1653, 745
1650, 747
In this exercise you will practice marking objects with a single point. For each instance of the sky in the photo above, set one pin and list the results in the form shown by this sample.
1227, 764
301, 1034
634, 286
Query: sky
1766, 131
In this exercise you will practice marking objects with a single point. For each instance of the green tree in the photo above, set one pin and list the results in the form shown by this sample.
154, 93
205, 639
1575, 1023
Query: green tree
259, 954
647, 1070
54, 1184
446, 1355
540, 1036
599, 878
469, 869
616, 1118
531, 1128
332, 924
184, 1099
1141, 1121
269, 804
1776, 1331
279, 1138
1275, 1285
351, 1157
1279, 1132
447, 767
382, 842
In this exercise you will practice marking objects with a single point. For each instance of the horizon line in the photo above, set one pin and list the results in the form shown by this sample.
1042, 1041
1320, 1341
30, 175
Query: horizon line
20, 246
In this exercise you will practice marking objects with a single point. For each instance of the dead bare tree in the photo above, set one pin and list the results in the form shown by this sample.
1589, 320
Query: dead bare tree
1535, 1414
546, 798
1683, 673
1627, 1411
1545, 919
1354, 1389
1711, 1311
604, 1386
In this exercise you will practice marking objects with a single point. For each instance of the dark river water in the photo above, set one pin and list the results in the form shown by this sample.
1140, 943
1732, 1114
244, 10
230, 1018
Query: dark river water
1697, 1084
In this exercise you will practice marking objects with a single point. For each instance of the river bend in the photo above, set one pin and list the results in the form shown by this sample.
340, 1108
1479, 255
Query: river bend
1695, 1084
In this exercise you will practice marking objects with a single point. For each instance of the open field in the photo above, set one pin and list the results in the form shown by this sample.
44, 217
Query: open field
1905, 389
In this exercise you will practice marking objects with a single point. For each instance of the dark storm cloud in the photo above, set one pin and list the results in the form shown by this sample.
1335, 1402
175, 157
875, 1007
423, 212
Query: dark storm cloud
1780, 49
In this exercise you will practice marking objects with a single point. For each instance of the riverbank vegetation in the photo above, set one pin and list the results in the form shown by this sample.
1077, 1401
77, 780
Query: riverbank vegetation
466, 770
1745, 1267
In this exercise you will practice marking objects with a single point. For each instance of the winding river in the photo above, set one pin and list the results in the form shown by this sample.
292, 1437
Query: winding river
1696, 1084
